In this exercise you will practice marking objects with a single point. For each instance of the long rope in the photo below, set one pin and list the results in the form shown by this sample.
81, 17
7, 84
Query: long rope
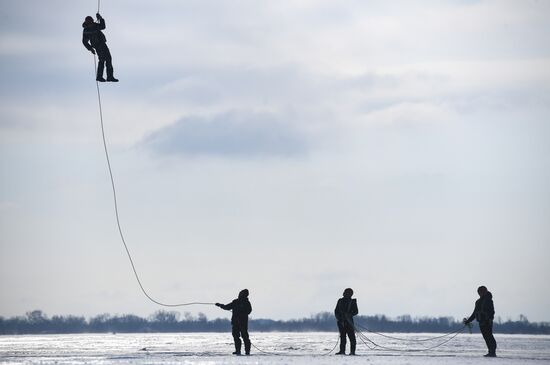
380, 347
116, 208
409, 339
279, 353
377, 346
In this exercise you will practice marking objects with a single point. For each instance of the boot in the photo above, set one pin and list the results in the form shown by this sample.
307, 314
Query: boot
99, 74
237, 349
352, 349
110, 71
490, 354
247, 345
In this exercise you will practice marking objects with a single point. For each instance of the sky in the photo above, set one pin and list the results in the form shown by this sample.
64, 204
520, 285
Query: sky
294, 148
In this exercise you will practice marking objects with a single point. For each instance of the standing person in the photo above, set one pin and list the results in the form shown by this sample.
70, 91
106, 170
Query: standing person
484, 313
345, 309
94, 40
241, 308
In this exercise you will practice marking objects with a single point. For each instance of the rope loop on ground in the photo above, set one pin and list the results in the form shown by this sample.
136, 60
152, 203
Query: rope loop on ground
375, 346
279, 353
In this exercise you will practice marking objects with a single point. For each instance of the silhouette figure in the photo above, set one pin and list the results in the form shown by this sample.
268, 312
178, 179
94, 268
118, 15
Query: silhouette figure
346, 308
241, 308
94, 40
484, 313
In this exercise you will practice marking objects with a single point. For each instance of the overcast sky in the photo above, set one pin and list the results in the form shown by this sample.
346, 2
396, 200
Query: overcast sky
294, 148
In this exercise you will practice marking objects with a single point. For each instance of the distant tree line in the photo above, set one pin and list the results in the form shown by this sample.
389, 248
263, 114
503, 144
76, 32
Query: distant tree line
37, 322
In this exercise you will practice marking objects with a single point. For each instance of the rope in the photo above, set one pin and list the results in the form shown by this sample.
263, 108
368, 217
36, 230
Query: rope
409, 339
98, 5
116, 208
366, 339
278, 353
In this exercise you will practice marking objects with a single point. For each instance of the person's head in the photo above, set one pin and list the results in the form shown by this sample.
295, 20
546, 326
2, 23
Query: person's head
348, 293
482, 290
88, 20
243, 293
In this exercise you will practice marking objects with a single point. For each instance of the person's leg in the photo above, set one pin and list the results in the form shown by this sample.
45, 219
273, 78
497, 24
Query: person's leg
109, 64
342, 331
100, 50
246, 340
236, 338
486, 329
100, 66
352, 341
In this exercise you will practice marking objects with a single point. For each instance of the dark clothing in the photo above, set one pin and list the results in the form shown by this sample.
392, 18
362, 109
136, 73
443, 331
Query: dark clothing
93, 38
105, 59
238, 332
347, 329
92, 35
484, 313
240, 308
487, 332
484, 309
345, 309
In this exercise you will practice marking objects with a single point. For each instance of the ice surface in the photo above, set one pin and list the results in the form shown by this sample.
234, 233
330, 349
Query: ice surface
283, 348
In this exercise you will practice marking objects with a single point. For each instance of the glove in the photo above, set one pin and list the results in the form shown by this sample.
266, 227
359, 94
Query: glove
98, 16
465, 321
92, 50
218, 305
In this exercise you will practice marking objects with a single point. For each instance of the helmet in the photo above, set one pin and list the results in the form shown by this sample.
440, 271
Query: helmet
348, 293
243, 293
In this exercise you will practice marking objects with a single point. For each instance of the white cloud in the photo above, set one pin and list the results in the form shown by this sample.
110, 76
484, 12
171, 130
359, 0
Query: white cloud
236, 134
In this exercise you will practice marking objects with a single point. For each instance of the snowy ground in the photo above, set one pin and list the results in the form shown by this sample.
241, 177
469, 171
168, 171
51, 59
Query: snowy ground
283, 348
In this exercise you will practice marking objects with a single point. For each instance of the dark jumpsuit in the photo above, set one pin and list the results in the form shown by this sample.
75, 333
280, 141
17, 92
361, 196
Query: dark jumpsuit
345, 309
241, 308
484, 313
93, 38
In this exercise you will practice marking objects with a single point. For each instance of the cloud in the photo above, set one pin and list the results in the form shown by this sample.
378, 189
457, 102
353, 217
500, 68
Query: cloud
233, 134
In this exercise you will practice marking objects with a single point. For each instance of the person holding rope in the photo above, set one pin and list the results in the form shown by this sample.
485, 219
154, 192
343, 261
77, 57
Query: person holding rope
346, 308
484, 313
241, 308
94, 40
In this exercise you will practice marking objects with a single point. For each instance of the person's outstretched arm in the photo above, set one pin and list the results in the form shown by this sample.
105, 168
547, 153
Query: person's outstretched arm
227, 307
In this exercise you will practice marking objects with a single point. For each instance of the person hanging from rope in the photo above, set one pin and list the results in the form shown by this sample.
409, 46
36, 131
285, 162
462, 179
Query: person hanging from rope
94, 40
346, 308
484, 313
241, 308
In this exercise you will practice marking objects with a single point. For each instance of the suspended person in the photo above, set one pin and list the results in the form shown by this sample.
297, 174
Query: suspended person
346, 308
241, 308
94, 40
484, 313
